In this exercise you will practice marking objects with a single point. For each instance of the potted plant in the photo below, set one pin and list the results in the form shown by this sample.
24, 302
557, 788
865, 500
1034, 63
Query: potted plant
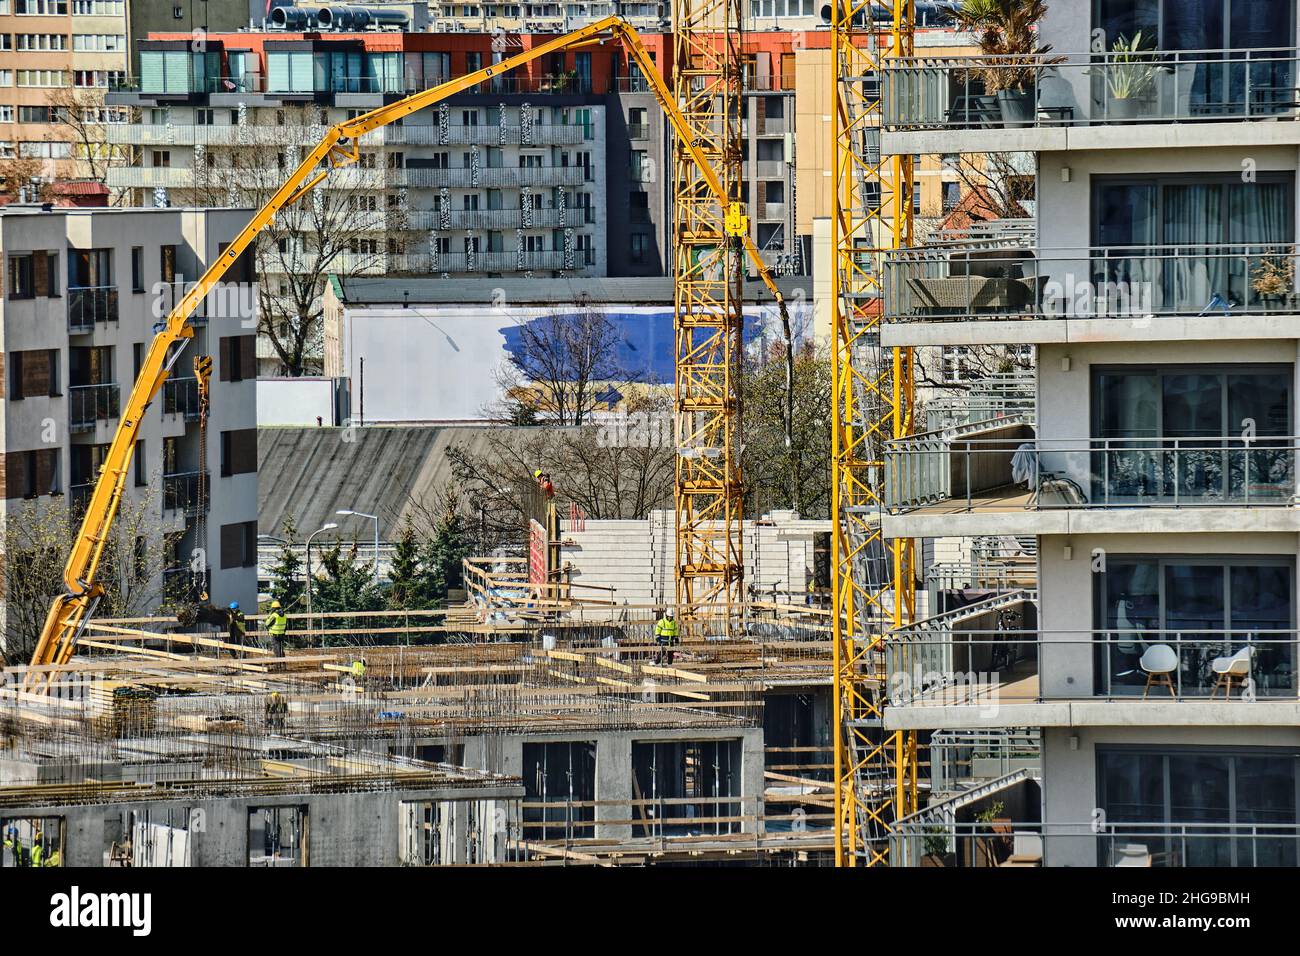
1273, 278
935, 843
1130, 76
1007, 37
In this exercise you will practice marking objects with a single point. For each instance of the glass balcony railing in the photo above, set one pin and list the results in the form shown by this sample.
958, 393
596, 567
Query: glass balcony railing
79, 495
1155, 86
181, 493
89, 305
982, 469
90, 404
963, 282
181, 397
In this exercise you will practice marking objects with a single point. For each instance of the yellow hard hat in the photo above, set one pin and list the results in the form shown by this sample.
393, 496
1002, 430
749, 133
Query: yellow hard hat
537, 473
275, 604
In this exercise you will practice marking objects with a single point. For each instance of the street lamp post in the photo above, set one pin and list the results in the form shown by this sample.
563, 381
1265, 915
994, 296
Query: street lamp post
375, 518
325, 527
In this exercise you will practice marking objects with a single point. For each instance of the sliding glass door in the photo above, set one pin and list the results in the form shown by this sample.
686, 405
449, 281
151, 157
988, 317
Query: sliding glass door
1197, 807
1204, 609
1195, 244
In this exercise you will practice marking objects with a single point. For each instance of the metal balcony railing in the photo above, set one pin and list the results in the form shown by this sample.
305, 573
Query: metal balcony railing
86, 306
90, 404
181, 397
964, 658
79, 495
1101, 842
1156, 86
181, 493
964, 282
507, 177
982, 468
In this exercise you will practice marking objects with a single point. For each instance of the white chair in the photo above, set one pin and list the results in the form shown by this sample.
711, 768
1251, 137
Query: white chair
1227, 669
1159, 662
1132, 854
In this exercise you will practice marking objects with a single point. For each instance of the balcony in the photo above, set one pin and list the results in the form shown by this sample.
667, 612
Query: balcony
1100, 93
1009, 483
181, 493
507, 177
152, 177
960, 293
989, 665
88, 306
927, 839
543, 261
88, 405
181, 397
79, 496
538, 134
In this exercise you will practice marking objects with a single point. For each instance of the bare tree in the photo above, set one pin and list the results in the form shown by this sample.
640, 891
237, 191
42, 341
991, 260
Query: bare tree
343, 227
558, 365
17, 174
995, 184
83, 117
38, 536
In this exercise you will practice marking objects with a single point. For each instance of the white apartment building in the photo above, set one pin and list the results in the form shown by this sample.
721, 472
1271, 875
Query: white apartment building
1155, 656
83, 291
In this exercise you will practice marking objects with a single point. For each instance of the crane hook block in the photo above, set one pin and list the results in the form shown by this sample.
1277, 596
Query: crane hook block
737, 223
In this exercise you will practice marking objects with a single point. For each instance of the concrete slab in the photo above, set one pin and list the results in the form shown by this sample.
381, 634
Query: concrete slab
1077, 330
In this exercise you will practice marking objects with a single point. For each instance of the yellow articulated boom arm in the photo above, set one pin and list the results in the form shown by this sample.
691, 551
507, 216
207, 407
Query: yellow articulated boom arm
338, 148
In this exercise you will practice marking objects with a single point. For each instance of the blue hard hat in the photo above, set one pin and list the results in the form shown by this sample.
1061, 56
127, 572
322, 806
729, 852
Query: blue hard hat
234, 605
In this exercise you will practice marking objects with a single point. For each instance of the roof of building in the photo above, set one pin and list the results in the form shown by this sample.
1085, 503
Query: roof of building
425, 290
388, 471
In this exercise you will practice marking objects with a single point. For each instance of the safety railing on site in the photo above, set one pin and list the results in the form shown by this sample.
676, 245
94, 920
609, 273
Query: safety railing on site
960, 758
1133, 283
986, 659
978, 473
1104, 842
1113, 88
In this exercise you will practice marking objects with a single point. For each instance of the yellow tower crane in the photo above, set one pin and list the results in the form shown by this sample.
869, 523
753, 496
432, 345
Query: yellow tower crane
873, 591
708, 395
710, 229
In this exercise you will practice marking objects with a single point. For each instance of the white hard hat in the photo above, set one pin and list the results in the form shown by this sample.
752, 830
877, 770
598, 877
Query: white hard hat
670, 612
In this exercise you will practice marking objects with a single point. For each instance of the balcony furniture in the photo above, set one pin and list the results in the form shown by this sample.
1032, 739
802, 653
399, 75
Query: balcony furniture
973, 293
1227, 669
1159, 663
1066, 490
1132, 854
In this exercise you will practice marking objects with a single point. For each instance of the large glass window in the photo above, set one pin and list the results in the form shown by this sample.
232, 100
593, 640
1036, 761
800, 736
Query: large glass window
1193, 246
1197, 807
1188, 435
1204, 609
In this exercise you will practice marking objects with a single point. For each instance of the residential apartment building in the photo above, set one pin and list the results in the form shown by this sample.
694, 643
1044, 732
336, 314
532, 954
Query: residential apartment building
83, 291
68, 51
1152, 647
210, 16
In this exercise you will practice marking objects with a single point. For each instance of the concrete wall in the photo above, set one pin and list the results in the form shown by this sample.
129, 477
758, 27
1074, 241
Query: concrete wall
637, 557
344, 829
295, 401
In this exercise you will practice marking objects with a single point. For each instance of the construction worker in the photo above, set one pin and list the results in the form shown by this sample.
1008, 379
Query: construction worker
55, 858
277, 622
14, 845
666, 631
236, 626
277, 708
38, 851
359, 669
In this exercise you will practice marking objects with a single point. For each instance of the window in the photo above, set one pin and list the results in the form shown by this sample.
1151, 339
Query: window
33, 374
6, 112
99, 42
1198, 794
640, 246
42, 78
137, 268
25, 42
277, 836
30, 474
1201, 607
20, 277
41, 8
99, 8
160, 158
774, 191
238, 358
167, 259
1192, 434
238, 452
204, 117
239, 545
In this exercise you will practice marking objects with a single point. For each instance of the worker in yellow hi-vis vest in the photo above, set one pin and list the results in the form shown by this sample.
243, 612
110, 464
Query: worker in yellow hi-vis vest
666, 631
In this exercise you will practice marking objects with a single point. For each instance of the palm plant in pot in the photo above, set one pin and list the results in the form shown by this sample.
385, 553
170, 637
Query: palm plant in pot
1130, 75
1006, 32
